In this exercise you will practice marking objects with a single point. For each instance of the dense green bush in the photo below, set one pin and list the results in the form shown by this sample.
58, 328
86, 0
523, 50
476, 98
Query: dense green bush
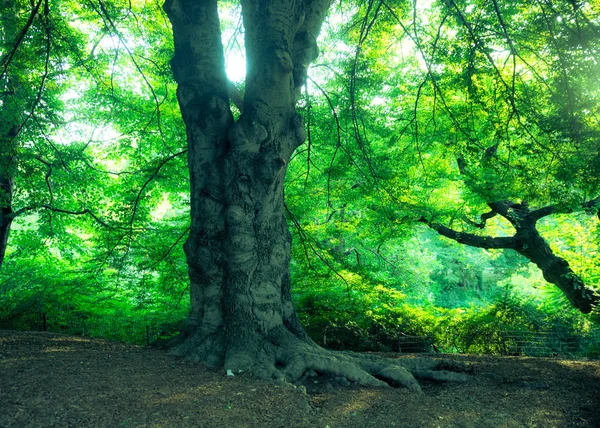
510, 325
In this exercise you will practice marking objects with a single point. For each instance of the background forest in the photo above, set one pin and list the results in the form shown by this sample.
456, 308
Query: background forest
432, 125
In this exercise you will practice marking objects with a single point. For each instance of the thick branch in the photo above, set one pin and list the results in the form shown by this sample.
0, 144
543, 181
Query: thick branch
515, 213
305, 48
591, 205
528, 242
556, 270
484, 218
472, 240
198, 63
199, 69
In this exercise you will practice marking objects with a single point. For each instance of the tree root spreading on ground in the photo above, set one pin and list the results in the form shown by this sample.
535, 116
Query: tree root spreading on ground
291, 359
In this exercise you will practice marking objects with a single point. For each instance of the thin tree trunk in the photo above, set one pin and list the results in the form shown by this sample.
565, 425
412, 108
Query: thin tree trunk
6, 186
9, 126
5, 213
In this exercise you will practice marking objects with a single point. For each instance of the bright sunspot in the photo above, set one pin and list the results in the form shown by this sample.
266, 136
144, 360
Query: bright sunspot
235, 67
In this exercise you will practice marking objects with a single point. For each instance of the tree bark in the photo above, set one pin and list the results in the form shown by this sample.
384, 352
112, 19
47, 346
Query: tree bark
6, 179
556, 270
5, 212
528, 242
238, 250
199, 70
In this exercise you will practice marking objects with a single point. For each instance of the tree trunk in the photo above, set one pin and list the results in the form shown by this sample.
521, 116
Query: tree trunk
5, 213
238, 250
528, 242
6, 184
556, 270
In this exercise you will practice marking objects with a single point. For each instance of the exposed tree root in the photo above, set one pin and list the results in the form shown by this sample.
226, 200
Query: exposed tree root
371, 370
288, 358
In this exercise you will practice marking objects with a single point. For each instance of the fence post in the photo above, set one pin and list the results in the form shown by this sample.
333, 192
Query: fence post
44, 321
147, 335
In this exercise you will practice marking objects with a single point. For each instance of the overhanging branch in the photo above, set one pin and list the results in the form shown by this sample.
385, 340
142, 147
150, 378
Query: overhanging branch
592, 205
472, 240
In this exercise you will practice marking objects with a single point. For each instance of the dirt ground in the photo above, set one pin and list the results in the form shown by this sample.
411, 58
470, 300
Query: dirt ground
48, 379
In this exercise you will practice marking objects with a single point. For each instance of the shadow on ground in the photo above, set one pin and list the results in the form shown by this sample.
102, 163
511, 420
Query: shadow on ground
48, 379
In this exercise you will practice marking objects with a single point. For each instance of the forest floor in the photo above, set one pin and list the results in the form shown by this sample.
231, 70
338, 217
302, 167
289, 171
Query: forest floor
49, 379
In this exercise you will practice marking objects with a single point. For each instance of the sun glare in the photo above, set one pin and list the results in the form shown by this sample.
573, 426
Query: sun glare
235, 67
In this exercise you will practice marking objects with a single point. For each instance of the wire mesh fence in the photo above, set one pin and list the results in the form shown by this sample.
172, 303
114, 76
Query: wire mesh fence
550, 344
146, 331
545, 344
119, 328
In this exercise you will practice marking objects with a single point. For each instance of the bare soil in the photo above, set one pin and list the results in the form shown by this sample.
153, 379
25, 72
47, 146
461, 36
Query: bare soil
49, 379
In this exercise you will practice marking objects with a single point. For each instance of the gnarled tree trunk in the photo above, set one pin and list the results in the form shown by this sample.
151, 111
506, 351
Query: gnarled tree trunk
238, 250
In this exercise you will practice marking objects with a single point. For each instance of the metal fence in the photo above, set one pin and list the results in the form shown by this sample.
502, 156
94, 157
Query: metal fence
547, 344
147, 331
550, 344
118, 328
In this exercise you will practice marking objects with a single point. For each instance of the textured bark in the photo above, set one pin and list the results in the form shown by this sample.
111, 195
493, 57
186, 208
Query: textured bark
199, 70
238, 251
528, 242
5, 213
475, 240
6, 183
239, 245
556, 270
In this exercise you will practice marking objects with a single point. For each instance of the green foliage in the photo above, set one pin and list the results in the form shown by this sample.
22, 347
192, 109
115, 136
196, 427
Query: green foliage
373, 320
511, 324
98, 167
378, 320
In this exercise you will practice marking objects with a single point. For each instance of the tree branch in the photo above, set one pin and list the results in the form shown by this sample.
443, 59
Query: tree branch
6, 60
484, 218
164, 256
472, 240
147, 182
23, 210
47, 176
306, 240
86, 211
591, 205
514, 212
305, 48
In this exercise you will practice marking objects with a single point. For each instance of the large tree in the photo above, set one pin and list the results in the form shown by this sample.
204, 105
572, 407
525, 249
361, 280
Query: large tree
238, 250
